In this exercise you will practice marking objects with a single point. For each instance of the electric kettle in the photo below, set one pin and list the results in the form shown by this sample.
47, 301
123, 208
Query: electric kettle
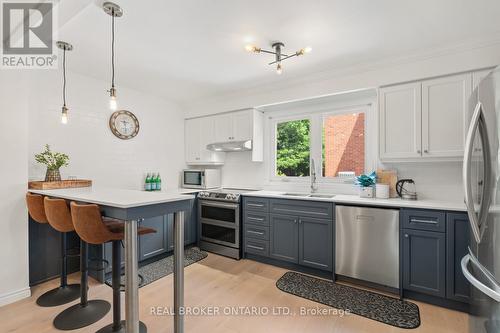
406, 189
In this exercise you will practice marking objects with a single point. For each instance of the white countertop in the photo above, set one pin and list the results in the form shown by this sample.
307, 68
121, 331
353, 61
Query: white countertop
356, 200
119, 198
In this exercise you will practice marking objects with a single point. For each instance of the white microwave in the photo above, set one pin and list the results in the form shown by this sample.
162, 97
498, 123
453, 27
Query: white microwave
201, 178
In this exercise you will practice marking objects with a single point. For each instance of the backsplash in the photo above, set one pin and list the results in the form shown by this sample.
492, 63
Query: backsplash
437, 181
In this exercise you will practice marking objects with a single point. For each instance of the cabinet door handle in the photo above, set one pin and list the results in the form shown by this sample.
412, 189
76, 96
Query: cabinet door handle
255, 205
423, 221
255, 247
255, 218
255, 232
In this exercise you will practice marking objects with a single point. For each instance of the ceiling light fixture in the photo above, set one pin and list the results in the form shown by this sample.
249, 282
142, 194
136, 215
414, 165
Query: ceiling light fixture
279, 56
113, 10
65, 47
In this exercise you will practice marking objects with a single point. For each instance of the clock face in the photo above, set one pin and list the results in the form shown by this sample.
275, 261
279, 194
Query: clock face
124, 124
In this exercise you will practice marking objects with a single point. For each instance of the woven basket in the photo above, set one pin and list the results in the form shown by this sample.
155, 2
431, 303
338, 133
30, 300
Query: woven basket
52, 175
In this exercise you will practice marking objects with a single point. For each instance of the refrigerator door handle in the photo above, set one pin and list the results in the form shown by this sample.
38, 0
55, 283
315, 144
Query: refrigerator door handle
477, 221
469, 258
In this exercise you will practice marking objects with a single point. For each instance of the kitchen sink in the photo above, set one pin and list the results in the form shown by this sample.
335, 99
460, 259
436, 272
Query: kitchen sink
307, 195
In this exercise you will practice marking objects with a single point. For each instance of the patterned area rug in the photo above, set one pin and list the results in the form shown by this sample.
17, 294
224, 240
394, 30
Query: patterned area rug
165, 266
385, 309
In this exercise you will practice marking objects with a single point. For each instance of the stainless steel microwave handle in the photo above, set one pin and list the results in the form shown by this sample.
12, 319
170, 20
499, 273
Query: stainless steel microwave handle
467, 177
469, 258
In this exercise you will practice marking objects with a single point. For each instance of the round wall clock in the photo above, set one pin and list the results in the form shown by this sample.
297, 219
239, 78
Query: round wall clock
124, 124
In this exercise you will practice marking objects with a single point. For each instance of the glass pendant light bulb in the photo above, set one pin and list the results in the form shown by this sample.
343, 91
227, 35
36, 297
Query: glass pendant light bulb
113, 105
279, 69
64, 115
307, 49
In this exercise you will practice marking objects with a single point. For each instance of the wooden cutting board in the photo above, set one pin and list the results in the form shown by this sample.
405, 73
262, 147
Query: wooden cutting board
389, 177
73, 183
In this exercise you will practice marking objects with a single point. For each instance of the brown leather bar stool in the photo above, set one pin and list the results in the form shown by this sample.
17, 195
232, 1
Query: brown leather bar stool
87, 311
65, 293
91, 227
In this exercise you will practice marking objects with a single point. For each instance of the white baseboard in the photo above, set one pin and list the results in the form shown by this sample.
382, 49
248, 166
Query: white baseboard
14, 296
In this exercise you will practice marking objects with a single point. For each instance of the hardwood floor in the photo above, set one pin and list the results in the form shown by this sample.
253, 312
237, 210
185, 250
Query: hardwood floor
224, 283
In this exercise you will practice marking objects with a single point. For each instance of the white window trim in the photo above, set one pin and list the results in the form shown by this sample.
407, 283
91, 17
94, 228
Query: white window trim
316, 118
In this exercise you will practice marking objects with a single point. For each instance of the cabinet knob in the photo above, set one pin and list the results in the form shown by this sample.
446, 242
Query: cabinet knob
426, 151
406, 236
419, 152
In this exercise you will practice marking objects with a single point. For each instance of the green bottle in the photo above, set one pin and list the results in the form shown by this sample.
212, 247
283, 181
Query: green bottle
158, 182
147, 186
153, 182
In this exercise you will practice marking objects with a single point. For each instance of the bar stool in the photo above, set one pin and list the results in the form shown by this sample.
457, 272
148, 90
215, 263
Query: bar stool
90, 227
87, 311
65, 293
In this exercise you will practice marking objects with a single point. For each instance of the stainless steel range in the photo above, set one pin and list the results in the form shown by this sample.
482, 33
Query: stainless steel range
219, 217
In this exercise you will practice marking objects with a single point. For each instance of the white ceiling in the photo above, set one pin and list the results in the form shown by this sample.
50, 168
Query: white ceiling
190, 49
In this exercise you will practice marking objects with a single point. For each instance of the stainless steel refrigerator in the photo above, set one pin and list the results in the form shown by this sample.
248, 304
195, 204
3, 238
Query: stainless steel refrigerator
481, 172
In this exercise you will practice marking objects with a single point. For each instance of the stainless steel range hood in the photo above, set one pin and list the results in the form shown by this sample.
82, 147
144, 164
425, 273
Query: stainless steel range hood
231, 146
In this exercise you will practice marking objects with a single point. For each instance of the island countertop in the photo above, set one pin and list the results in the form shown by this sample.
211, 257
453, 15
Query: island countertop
115, 197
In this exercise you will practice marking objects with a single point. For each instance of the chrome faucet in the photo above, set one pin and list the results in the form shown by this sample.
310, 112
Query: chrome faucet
313, 176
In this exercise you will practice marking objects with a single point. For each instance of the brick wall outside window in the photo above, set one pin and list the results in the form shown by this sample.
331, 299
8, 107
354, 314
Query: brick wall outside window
344, 140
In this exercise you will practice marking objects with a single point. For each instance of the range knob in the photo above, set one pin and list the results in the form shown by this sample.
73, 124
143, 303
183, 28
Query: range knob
203, 194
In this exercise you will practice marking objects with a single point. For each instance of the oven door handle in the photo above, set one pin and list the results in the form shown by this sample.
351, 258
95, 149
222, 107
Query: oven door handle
218, 204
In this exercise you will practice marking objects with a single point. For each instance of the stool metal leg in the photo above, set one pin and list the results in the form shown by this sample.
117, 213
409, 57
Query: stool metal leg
118, 325
86, 312
64, 293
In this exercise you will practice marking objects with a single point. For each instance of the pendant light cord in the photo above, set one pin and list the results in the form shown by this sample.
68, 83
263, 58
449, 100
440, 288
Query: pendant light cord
113, 49
64, 76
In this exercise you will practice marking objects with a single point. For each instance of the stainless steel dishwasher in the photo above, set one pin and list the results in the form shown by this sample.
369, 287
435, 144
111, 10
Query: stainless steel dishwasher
367, 244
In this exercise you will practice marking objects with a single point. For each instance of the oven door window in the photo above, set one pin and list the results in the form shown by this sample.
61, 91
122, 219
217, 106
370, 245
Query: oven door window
218, 213
218, 234
193, 178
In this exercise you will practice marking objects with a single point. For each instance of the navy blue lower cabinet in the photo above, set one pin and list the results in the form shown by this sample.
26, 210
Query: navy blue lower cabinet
316, 243
154, 244
284, 238
424, 262
457, 242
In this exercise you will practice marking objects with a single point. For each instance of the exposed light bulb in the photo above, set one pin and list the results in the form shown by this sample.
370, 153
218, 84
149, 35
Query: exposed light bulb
252, 48
113, 105
279, 69
307, 49
64, 115
304, 51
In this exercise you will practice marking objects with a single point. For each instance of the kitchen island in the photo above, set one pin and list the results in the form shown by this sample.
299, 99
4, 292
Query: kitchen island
133, 206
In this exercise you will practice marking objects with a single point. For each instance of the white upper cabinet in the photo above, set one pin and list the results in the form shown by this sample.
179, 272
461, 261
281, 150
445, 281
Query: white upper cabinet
425, 120
444, 115
226, 127
198, 133
234, 126
223, 127
400, 125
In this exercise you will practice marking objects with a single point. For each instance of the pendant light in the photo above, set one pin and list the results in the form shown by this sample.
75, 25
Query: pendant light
65, 47
114, 11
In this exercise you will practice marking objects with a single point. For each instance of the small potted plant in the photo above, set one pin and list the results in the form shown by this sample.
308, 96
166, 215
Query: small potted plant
54, 161
366, 184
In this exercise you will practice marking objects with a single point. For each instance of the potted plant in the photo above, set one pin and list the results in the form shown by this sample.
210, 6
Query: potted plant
366, 184
54, 161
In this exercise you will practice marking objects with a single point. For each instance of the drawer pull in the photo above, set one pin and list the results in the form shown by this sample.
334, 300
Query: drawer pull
255, 247
423, 221
255, 218
255, 232
255, 205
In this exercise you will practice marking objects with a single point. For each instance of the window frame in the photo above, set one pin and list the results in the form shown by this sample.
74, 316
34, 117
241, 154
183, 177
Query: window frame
316, 119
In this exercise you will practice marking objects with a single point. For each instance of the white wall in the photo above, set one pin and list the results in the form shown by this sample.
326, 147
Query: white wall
94, 151
14, 173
